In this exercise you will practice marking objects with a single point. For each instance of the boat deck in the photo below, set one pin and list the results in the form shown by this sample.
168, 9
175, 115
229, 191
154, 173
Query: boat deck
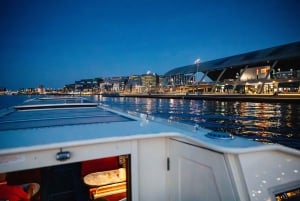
177, 161
34, 127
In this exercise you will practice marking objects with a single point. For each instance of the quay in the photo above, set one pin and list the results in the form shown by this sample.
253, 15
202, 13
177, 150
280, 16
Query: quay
288, 98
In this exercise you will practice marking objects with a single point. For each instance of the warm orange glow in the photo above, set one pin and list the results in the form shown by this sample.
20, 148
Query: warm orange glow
290, 195
263, 70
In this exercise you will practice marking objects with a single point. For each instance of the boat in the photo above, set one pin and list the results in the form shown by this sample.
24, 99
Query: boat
80, 150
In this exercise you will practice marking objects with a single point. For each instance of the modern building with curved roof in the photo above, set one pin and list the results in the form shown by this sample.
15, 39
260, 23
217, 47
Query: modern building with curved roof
263, 71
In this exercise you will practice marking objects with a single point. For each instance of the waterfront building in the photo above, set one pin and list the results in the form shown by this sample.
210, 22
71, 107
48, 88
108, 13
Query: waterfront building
28, 91
134, 84
3, 90
41, 89
145, 83
114, 84
86, 85
151, 82
268, 71
69, 88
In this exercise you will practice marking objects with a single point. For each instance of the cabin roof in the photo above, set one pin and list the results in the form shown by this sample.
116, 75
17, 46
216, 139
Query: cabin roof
26, 119
59, 111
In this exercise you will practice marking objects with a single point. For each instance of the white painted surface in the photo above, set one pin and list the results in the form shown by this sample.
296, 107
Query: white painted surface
47, 157
201, 168
264, 171
197, 174
152, 169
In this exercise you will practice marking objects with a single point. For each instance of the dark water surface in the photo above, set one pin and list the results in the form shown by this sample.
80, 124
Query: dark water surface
266, 122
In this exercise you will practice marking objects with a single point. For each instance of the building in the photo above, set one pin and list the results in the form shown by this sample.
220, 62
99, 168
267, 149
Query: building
3, 90
265, 71
114, 84
134, 84
150, 82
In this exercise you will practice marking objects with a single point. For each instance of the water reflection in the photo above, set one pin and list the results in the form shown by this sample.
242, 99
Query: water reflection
266, 122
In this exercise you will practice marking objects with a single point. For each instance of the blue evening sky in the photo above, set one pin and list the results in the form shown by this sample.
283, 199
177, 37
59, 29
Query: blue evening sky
56, 42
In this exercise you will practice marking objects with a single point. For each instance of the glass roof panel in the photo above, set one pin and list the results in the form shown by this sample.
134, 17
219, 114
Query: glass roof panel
58, 117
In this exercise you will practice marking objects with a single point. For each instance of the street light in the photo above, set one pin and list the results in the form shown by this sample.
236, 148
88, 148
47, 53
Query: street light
197, 62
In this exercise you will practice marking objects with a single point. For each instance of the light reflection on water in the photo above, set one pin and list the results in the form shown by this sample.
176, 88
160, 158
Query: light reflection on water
266, 122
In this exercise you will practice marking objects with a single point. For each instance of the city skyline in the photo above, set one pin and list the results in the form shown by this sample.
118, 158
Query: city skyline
54, 43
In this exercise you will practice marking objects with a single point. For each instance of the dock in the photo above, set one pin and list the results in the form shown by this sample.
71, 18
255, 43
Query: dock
288, 98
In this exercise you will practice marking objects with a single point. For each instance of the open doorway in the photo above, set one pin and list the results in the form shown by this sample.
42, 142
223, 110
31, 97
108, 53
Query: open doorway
105, 179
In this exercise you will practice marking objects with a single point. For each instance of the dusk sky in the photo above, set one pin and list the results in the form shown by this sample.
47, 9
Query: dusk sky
56, 42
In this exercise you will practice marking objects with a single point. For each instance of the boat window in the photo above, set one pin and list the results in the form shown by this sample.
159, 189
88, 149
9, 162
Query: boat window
99, 179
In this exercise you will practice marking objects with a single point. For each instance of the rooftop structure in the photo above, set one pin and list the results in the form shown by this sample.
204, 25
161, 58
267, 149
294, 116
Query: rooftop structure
280, 63
287, 56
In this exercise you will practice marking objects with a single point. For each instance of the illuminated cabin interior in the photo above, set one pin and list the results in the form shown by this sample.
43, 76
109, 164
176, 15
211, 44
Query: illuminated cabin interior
105, 179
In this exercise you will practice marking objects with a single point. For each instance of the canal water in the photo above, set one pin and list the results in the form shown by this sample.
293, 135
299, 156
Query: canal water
265, 122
